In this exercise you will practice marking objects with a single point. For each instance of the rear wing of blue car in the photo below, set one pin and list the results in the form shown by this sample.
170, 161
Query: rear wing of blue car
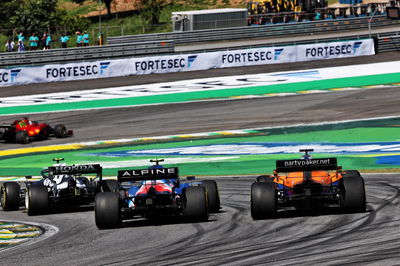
76, 169
148, 174
299, 165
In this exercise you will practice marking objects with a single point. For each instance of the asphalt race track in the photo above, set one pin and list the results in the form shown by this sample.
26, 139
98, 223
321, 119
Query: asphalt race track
231, 237
162, 120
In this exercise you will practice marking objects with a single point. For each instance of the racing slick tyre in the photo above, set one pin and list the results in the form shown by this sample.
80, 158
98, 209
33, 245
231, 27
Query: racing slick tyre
263, 200
195, 204
353, 195
10, 196
213, 195
37, 200
352, 172
109, 186
44, 134
22, 137
265, 178
8, 137
60, 131
107, 210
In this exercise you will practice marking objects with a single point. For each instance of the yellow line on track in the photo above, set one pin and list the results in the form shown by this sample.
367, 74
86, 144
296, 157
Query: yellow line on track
41, 149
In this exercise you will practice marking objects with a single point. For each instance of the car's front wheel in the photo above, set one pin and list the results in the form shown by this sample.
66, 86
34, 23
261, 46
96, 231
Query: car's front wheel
60, 131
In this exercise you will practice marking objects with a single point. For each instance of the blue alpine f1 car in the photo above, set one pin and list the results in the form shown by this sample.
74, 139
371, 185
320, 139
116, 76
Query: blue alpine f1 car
153, 192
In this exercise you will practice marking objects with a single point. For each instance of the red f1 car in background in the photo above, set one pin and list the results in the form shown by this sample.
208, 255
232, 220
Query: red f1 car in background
24, 131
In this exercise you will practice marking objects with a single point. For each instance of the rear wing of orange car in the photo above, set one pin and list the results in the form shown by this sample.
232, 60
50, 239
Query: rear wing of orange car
299, 165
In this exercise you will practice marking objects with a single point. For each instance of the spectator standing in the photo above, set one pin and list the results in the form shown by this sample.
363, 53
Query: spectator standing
33, 42
64, 41
21, 46
318, 15
79, 39
48, 41
85, 38
21, 37
44, 39
10, 46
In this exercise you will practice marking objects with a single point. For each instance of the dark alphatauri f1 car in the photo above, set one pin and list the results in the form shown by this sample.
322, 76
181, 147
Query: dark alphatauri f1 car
307, 184
24, 131
61, 185
154, 192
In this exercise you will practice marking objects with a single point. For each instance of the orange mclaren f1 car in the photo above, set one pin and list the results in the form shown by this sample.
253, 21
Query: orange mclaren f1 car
307, 184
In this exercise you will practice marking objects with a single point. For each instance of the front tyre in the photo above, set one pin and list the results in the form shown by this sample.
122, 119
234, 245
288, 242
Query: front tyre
213, 195
263, 200
107, 210
195, 204
36, 200
60, 131
10, 196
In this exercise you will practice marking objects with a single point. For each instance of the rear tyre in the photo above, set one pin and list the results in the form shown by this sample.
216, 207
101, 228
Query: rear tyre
10, 196
195, 204
22, 137
107, 210
44, 134
263, 200
109, 186
37, 200
60, 131
265, 178
353, 195
352, 173
213, 195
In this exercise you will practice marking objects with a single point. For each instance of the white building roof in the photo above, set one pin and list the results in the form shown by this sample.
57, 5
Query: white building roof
210, 11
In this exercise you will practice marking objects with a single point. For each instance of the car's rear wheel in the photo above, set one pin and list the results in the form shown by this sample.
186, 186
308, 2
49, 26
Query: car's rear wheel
10, 196
109, 186
107, 210
44, 134
264, 178
195, 204
37, 200
353, 194
263, 200
60, 131
22, 137
213, 195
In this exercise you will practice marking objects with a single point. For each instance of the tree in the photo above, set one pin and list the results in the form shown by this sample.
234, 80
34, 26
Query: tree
150, 10
7, 7
35, 15
106, 2
108, 6
40, 15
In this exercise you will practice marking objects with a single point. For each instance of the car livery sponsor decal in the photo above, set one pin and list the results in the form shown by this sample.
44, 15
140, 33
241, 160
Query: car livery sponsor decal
103, 67
9, 76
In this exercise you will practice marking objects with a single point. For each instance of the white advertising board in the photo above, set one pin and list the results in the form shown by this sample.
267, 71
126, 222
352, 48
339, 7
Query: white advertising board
184, 62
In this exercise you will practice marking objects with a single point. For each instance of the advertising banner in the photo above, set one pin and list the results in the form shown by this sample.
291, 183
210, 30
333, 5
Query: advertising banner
185, 62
